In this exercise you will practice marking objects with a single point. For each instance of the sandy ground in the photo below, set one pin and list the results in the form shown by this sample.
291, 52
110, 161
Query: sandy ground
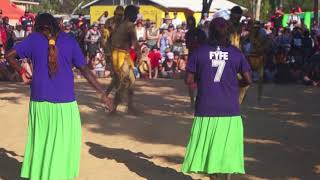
281, 133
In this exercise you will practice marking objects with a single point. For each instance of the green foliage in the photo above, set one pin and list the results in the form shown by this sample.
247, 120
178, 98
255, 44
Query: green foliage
268, 6
56, 7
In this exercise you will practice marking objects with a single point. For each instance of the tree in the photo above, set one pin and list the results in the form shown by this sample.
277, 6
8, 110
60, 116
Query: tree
258, 8
206, 4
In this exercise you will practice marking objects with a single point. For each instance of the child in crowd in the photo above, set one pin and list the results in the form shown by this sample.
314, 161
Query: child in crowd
155, 59
169, 66
144, 63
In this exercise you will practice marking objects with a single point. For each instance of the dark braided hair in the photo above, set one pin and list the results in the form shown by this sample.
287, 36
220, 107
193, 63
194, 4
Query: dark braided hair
47, 25
218, 32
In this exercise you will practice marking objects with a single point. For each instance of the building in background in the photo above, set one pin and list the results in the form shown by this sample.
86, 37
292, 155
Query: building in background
25, 4
155, 9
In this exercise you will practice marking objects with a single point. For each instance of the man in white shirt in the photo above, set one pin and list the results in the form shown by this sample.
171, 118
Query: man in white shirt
103, 18
18, 34
176, 21
294, 20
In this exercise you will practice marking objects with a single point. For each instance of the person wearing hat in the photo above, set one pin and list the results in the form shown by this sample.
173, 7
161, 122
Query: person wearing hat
176, 21
18, 34
169, 66
144, 63
67, 29
294, 19
93, 39
166, 21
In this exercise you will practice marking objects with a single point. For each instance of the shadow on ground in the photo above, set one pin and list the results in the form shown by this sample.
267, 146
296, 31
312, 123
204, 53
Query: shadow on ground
9, 166
136, 162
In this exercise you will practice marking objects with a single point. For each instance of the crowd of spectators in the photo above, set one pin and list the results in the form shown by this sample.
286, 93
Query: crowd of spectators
292, 53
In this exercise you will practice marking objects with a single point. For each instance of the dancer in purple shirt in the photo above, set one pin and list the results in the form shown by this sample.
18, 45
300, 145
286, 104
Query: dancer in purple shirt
54, 131
216, 142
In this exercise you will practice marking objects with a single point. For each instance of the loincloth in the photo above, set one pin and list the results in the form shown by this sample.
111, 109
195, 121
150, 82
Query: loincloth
123, 67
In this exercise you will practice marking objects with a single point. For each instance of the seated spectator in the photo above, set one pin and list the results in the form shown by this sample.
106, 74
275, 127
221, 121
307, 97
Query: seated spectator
169, 67
144, 63
152, 35
155, 58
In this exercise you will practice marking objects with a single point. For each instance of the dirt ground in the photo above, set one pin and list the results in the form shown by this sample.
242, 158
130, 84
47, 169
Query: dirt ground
281, 133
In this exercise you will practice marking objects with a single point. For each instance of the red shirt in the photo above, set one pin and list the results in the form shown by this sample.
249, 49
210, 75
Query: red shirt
3, 35
155, 58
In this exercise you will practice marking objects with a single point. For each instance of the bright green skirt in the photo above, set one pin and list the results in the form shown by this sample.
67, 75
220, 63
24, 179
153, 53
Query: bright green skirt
54, 140
215, 146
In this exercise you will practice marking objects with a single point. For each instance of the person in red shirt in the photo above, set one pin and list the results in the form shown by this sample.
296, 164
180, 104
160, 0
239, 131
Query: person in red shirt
3, 38
155, 58
26, 18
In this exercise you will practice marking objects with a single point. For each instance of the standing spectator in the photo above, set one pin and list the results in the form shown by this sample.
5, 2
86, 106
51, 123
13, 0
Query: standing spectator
18, 34
294, 20
152, 35
268, 28
204, 19
276, 19
93, 38
141, 31
81, 20
103, 18
68, 30
26, 18
176, 21
297, 46
155, 58
307, 45
164, 42
29, 28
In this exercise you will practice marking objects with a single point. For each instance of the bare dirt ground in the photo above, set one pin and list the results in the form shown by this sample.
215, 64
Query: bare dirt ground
282, 133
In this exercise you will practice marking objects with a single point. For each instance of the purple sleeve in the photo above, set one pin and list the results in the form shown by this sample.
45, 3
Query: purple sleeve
78, 59
192, 63
244, 65
24, 48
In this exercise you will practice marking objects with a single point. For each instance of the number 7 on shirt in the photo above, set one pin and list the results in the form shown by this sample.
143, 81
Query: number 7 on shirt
220, 64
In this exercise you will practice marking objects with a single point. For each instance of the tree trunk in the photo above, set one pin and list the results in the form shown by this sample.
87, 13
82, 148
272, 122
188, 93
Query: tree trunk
258, 9
206, 6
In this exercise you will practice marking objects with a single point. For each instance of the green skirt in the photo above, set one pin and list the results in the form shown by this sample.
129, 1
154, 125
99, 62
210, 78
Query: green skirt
215, 146
54, 141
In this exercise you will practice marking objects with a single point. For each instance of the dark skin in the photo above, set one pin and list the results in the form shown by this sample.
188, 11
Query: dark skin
11, 56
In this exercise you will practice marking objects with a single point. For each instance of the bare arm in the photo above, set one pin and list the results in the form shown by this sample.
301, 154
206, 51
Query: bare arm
134, 40
189, 78
246, 79
85, 71
11, 56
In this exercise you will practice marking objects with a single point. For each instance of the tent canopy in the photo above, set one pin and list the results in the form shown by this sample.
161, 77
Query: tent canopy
195, 6
10, 10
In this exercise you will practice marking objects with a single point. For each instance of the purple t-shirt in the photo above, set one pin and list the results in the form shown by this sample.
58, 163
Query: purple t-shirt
59, 88
216, 71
